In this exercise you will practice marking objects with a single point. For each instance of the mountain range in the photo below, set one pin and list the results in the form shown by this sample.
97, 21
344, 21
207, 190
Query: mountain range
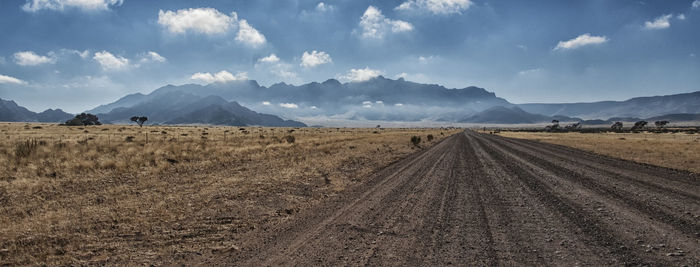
378, 98
10, 111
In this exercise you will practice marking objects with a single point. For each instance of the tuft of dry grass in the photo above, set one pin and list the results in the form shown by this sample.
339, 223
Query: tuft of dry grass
672, 150
117, 195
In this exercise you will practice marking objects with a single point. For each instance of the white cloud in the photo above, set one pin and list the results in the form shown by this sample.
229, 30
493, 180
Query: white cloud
289, 105
282, 71
29, 58
151, 56
220, 77
272, 58
416, 77
323, 7
110, 62
315, 58
375, 26
249, 35
680, 16
580, 41
426, 60
398, 105
266, 103
360, 75
659, 23
209, 21
529, 71
437, 7
201, 20
696, 4
60, 5
10, 79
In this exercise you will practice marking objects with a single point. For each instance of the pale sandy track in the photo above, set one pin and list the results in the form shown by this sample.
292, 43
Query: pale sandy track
477, 199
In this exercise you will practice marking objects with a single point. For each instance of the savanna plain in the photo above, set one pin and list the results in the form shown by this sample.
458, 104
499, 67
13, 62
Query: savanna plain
117, 194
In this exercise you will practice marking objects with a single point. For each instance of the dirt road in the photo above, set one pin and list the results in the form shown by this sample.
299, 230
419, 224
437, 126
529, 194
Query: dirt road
476, 199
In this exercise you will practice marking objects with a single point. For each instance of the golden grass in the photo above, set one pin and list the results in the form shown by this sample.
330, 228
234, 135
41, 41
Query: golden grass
85, 195
678, 151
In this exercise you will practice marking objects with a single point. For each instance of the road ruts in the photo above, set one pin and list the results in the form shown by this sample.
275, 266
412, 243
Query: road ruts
485, 200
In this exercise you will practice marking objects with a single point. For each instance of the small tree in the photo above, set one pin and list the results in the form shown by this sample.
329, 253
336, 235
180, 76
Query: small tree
83, 119
430, 137
554, 127
139, 120
617, 126
660, 124
639, 125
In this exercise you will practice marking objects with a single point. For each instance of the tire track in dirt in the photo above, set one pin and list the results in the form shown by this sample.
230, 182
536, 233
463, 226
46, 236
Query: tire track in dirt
476, 199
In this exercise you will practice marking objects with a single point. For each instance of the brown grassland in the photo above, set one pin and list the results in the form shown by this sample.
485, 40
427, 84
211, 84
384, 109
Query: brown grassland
672, 150
117, 194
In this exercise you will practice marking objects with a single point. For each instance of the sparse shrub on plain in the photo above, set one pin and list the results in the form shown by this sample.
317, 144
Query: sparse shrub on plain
290, 139
415, 140
129, 139
26, 148
430, 137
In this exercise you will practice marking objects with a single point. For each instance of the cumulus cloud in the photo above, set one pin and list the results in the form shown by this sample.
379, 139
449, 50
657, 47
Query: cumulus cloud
426, 60
661, 22
580, 41
4, 79
375, 25
200, 20
696, 4
437, 7
360, 75
315, 58
249, 35
681, 17
209, 21
83, 54
29, 58
110, 62
272, 58
289, 105
323, 7
220, 77
266, 103
60, 5
151, 56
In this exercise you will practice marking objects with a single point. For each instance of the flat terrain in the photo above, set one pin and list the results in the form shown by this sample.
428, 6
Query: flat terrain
671, 150
124, 195
477, 199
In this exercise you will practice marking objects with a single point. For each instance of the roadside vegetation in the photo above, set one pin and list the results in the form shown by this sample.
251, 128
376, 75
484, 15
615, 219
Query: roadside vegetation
116, 194
677, 148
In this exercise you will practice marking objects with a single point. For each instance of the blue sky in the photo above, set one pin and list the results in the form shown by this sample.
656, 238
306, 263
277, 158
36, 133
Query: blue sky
77, 54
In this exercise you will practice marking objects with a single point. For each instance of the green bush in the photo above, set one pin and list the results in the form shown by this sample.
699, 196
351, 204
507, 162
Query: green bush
415, 140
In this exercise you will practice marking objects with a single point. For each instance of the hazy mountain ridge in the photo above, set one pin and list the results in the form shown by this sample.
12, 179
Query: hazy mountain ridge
182, 108
376, 99
638, 107
512, 115
11, 111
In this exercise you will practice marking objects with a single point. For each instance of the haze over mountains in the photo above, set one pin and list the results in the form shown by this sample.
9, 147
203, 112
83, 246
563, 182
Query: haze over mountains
10, 111
378, 99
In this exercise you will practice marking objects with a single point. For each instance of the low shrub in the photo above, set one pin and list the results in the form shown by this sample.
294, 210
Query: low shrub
415, 140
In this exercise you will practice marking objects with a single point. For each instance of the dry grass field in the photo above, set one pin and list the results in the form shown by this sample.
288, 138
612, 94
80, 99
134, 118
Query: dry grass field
117, 194
672, 150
